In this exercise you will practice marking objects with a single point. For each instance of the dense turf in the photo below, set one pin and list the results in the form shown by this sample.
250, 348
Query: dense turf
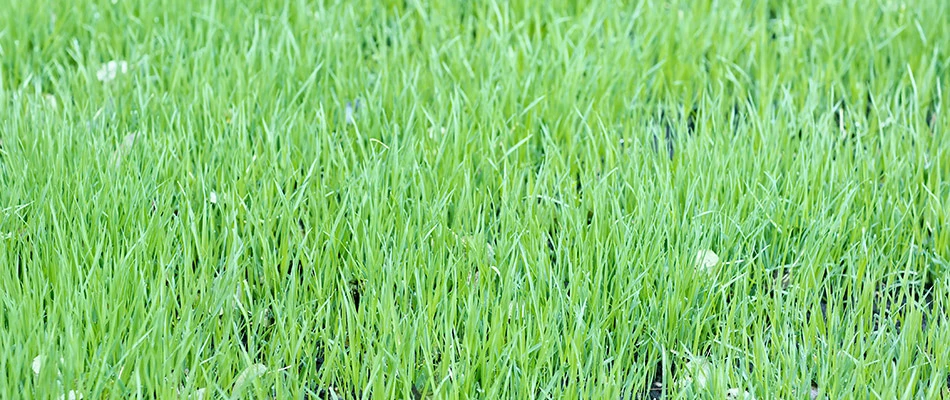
492, 199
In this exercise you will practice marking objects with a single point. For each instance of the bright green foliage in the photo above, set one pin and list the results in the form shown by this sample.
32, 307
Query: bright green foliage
474, 199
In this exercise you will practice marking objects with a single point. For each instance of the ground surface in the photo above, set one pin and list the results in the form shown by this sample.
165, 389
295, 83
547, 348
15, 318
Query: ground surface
497, 199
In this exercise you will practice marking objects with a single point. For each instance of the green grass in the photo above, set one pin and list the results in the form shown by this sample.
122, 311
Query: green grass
511, 206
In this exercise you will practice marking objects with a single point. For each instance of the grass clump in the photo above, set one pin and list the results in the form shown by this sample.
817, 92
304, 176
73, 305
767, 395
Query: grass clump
499, 199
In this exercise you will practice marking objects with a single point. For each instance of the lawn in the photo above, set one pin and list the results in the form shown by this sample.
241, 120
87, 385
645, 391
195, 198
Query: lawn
499, 199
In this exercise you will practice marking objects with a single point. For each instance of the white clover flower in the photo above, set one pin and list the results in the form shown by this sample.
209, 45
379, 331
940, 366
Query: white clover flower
706, 259
111, 70
72, 395
51, 101
736, 394
37, 364
698, 372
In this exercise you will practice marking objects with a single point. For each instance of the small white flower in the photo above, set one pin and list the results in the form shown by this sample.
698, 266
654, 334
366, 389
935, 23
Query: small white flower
706, 259
129, 140
736, 394
111, 69
213, 198
698, 372
37, 364
350, 111
349, 114
72, 395
51, 100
